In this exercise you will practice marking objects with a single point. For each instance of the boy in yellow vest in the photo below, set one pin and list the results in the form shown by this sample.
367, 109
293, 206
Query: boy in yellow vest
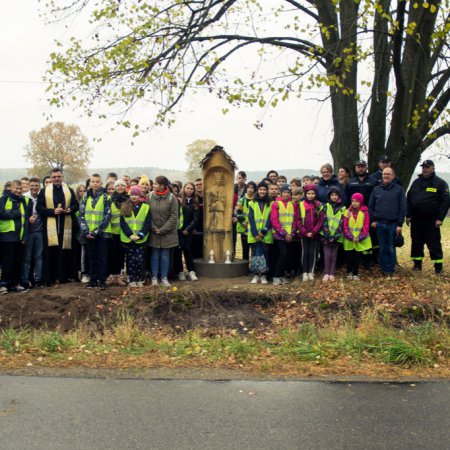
13, 233
94, 217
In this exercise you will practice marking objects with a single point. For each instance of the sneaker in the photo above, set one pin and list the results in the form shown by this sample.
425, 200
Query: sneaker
255, 279
310, 276
276, 281
331, 278
3, 290
326, 278
91, 285
140, 284
38, 284
264, 279
192, 276
356, 277
102, 285
19, 288
284, 280
133, 284
154, 281
350, 276
182, 276
165, 282
305, 277
85, 279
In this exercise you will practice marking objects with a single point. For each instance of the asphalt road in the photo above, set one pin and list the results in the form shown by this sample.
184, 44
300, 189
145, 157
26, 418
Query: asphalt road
88, 413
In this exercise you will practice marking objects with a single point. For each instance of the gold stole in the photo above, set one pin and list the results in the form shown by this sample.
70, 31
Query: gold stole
52, 231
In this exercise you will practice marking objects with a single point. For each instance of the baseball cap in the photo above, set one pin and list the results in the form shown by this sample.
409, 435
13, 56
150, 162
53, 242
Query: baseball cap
361, 162
427, 163
384, 158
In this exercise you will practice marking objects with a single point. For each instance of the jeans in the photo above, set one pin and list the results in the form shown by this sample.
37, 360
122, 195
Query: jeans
34, 248
160, 261
385, 235
97, 251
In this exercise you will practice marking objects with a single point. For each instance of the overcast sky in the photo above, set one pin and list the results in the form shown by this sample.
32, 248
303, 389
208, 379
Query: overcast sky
295, 135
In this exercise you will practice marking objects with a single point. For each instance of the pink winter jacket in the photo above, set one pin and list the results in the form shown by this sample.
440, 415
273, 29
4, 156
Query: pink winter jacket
278, 231
312, 223
366, 227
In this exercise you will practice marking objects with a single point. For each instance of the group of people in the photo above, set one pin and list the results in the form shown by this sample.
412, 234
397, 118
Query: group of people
123, 231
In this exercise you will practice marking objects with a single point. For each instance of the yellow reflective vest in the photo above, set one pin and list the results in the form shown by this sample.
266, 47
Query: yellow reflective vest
260, 222
356, 227
136, 223
6, 226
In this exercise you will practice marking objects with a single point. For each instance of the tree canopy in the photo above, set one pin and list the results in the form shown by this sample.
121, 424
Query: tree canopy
195, 152
58, 145
395, 51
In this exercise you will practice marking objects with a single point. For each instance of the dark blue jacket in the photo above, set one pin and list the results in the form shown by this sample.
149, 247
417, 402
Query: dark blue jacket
364, 187
388, 204
323, 186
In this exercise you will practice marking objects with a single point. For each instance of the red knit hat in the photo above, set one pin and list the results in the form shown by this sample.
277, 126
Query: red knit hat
358, 197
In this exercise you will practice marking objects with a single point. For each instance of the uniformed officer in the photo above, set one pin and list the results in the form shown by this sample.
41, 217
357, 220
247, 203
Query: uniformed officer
383, 162
427, 204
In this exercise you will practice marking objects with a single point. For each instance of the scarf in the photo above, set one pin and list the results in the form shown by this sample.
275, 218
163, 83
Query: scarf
164, 192
52, 223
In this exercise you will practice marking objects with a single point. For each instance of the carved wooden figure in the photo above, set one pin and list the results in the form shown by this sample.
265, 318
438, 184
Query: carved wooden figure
218, 187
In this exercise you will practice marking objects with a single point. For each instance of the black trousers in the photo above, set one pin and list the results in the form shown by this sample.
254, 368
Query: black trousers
11, 263
353, 258
424, 232
116, 255
97, 250
285, 253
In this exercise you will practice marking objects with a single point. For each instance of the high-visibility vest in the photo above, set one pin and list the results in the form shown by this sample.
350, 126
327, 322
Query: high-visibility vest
260, 221
136, 223
180, 218
240, 228
356, 227
113, 226
94, 215
303, 209
334, 220
7, 226
286, 215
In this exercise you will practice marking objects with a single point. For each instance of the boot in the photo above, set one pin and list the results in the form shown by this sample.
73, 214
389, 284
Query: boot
438, 268
417, 264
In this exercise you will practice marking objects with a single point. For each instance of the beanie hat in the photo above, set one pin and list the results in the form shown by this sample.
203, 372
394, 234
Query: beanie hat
333, 189
358, 197
285, 187
144, 179
119, 183
136, 190
310, 187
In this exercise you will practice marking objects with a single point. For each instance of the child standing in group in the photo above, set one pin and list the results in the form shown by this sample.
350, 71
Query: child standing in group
260, 234
311, 218
14, 215
356, 234
284, 218
241, 212
94, 216
332, 231
135, 226
188, 220
116, 252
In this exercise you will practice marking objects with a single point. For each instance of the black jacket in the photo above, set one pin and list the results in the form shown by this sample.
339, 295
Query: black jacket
190, 215
428, 198
324, 186
15, 215
388, 204
364, 187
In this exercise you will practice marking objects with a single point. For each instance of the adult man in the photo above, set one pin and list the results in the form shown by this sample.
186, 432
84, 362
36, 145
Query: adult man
34, 246
427, 205
57, 205
127, 180
273, 175
383, 162
95, 214
362, 182
387, 209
